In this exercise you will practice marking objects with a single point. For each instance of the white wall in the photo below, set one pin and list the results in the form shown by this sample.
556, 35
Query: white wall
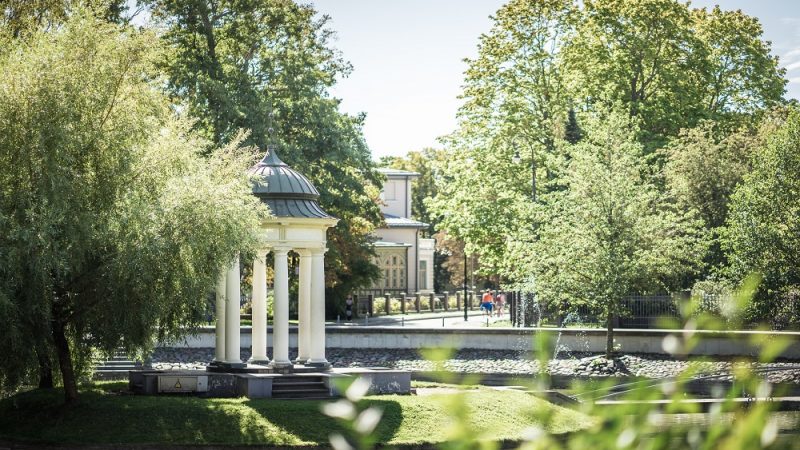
732, 343
397, 198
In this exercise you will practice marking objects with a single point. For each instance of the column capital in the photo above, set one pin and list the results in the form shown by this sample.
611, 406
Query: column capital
281, 249
318, 251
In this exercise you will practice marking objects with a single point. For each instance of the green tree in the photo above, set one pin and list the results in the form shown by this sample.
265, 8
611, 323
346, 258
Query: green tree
20, 18
702, 169
258, 65
572, 130
611, 232
514, 99
114, 227
763, 223
672, 65
642, 54
740, 76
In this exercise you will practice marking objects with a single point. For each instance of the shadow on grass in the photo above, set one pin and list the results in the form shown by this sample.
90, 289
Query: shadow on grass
104, 416
304, 419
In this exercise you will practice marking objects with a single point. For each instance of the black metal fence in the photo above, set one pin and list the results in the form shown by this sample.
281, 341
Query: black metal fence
635, 311
379, 302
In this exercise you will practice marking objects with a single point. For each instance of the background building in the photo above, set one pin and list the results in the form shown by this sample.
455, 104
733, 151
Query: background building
404, 257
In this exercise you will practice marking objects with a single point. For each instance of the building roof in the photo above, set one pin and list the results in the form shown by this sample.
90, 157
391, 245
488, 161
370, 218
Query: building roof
402, 222
287, 192
397, 172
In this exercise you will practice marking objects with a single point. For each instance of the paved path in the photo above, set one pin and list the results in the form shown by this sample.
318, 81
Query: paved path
449, 319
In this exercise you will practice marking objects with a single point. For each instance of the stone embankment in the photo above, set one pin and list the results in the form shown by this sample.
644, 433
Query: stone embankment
503, 362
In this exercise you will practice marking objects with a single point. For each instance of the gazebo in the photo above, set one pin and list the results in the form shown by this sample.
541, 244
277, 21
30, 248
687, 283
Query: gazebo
297, 224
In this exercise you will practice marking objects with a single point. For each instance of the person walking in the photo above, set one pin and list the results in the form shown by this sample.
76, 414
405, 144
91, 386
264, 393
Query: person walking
500, 304
487, 303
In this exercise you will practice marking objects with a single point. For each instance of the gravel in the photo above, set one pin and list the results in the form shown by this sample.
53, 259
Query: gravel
503, 361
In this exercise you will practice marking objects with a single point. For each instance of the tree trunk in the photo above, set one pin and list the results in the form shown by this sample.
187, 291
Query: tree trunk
610, 334
65, 362
45, 369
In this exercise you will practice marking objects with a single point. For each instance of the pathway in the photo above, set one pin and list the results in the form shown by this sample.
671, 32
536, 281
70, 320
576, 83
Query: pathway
449, 319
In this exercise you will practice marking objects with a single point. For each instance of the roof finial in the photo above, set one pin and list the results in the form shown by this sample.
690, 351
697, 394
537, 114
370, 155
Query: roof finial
271, 158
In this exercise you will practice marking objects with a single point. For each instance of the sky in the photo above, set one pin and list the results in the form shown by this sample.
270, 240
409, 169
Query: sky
407, 59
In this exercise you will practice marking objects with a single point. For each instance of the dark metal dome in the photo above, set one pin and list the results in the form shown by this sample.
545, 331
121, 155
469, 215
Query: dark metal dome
288, 193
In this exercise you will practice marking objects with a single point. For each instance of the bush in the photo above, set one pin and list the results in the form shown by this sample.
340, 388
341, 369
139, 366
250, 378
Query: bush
786, 310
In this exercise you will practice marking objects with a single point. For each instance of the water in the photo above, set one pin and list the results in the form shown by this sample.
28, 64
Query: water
528, 306
572, 318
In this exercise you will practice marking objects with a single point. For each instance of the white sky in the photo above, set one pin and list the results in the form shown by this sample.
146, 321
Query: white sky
407, 57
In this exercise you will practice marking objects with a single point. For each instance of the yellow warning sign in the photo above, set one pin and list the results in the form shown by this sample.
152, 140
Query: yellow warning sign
178, 384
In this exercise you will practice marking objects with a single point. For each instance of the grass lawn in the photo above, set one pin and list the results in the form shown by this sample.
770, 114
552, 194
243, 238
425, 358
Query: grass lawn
106, 415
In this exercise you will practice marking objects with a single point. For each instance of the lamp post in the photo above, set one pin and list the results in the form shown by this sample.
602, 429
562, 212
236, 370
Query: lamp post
465, 283
516, 159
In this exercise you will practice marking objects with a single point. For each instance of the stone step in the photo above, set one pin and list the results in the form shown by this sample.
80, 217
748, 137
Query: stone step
285, 387
110, 374
115, 368
110, 363
322, 393
298, 382
285, 379
310, 397
300, 387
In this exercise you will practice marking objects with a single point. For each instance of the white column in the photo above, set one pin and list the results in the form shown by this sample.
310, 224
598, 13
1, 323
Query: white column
259, 349
232, 318
317, 338
304, 307
219, 303
280, 327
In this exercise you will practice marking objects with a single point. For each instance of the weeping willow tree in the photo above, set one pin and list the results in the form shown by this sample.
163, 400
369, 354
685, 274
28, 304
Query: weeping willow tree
113, 228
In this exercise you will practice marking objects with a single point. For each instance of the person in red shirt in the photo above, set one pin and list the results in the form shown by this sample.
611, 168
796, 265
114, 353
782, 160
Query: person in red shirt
487, 303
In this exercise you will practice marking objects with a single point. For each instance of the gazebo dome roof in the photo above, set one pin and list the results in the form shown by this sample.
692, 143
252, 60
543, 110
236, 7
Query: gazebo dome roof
287, 192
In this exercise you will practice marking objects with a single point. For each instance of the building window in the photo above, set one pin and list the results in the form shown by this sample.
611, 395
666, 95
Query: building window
423, 274
394, 271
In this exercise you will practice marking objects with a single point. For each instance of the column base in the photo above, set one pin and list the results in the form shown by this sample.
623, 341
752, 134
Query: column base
281, 364
228, 365
261, 361
324, 364
301, 360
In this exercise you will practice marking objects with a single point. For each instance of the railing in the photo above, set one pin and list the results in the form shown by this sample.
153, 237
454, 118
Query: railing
635, 311
380, 302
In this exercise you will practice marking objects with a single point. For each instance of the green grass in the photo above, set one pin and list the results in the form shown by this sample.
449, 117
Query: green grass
107, 415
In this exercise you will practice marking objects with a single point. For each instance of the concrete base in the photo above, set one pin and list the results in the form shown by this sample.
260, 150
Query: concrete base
260, 384
381, 380
239, 368
227, 365
147, 382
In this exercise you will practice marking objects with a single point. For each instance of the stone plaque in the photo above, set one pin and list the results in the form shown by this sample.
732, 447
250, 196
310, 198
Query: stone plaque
182, 383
